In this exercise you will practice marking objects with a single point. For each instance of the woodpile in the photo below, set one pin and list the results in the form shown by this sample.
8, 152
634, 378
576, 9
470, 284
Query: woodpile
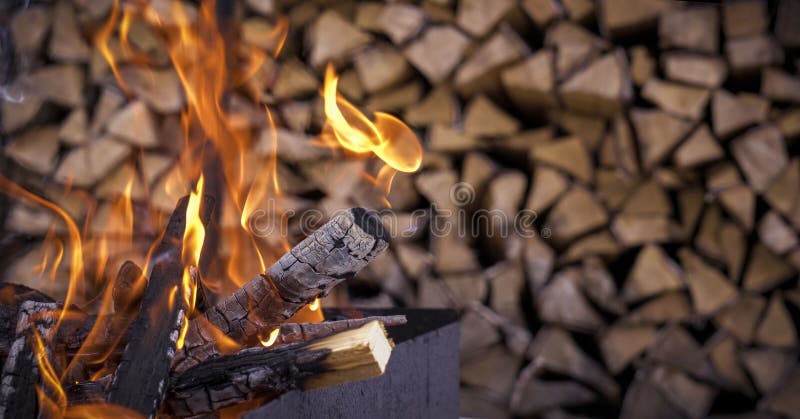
650, 145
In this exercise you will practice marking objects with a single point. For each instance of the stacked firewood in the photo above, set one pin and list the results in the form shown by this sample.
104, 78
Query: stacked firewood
651, 145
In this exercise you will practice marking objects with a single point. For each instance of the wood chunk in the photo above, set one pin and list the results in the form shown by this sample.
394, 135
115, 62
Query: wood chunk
635, 230
394, 100
114, 184
570, 57
693, 28
577, 212
579, 10
555, 351
134, 124
765, 270
761, 154
294, 80
729, 114
548, 185
658, 133
695, 69
493, 371
679, 100
784, 401
508, 282
568, 154
437, 52
561, 302
643, 66
776, 328
690, 396
786, 28
332, 37
477, 170
757, 103
445, 139
701, 147
676, 348
603, 88
597, 244
620, 344
477, 334
482, 118
160, 89
779, 86
60, 84
648, 199
538, 260
565, 32
86, 165
110, 100
744, 17
481, 71
643, 398
66, 42
380, 66
29, 27
74, 128
542, 12
262, 7
477, 403
671, 307
401, 22
767, 367
17, 115
783, 194
690, 203
619, 18
478, 17
590, 129
35, 149
598, 284
789, 123
733, 243
653, 273
707, 238
751, 53
532, 395
439, 107
530, 83
740, 202
776, 234
707, 286
452, 256
724, 355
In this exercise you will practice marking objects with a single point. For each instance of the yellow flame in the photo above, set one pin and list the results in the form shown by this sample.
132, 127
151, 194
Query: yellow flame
184, 328
101, 41
315, 305
50, 394
273, 336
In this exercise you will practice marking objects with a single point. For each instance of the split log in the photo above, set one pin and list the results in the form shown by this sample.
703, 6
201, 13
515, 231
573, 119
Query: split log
266, 372
696, 69
478, 17
128, 288
743, 18
84, 166
749, 54
693, 28
139, 381
602, 88
619, 18
683, 101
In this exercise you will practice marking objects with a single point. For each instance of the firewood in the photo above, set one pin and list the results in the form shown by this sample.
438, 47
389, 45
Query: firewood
145, 362
782, 194
555, 351
690, 205
779, 86
380, 66
538, 260
348, 356
590, 129
709, 289
21, 370
478, 17
643, 66
767, 367
707, 238
675, 347
621, 344
110, 100
437, 52
452, 255
17, 115
294, 80
783, 402
332, 37
116, 182
683, 101
60, 84
691, 397
134, 124
548, 185
733, 243
85, 165
262, 7
786, 23
722, 176
29, 27
599, 244
542, 12
507, 283
568, 154
35, 149
653, 273
394, 100
776, 234
749, 54
367, 15
477, 334
743, 18
759, 104
160, 89
533, 395
648, 199
530, 83
724, 355
672, 307
613, 186
153, 165
729, 114
643, 398
740, 202
562, 303
439, 107
579, 10
761, 155
30, 221
598, 284
481, 71
602, 88
659, 133
765, 270
482, 118
66, 41
699, 148
776, 328
699, 70
493, 371
693, 28
635, 230
401, 22
619, 18
128, 287
74, 128
577, 212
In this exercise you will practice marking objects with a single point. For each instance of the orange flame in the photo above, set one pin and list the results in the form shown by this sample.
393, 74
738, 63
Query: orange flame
273, 336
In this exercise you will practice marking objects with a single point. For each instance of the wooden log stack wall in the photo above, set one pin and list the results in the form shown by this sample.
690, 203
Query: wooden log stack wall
651, 144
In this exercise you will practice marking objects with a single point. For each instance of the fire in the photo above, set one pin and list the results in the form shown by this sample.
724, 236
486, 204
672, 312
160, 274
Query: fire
273, 336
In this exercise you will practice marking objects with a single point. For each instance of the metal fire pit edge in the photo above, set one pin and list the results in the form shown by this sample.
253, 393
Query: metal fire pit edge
421, 379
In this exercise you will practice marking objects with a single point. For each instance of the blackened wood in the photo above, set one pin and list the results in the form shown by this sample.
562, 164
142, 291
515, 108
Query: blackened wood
128, 288
21, 371
140, 380
227, 380
15, 294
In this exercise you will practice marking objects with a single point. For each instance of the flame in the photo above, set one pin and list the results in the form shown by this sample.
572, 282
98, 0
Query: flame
50, 394
314, 306
273, 336
101, 41
195, 233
